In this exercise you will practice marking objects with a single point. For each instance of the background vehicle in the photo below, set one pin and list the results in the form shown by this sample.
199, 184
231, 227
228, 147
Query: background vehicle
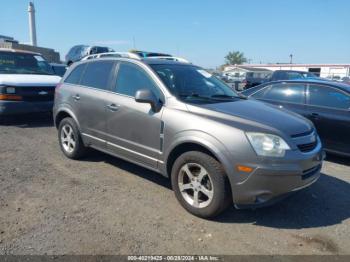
27, 83
346, 80
179, 120
255, 78
76, 53
58, 69
145, 54
326, 104
290, 75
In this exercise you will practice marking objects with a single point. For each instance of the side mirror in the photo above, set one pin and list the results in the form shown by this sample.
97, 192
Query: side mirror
147, 96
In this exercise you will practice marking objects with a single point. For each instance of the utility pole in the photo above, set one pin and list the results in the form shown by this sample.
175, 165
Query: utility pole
291, 58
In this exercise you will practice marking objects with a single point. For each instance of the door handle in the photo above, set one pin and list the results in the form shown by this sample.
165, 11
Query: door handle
113, 107
76, 97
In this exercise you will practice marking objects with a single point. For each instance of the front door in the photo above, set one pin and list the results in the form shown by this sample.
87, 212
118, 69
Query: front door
133, 129
328, 109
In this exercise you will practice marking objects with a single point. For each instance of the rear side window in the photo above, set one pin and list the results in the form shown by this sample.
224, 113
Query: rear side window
75, 75
97, 74
292, 93
132, 78
328, 97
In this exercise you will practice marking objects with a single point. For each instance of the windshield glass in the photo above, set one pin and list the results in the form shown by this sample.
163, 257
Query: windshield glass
194, 84
22, 63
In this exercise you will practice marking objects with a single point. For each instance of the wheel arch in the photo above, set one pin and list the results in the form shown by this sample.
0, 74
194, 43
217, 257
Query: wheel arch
63, 113
194, 141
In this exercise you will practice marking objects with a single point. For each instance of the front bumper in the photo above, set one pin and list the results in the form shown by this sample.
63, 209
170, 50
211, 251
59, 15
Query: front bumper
274, 180
8, 108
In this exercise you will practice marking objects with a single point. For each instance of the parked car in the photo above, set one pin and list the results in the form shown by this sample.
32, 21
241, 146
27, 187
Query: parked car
76, 53
58, 69
346, 80
145, 54
179, 120
27, 83
255, 78
290, 75
326, 104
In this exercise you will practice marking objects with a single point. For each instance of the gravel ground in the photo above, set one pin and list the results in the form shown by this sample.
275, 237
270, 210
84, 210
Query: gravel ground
103, 205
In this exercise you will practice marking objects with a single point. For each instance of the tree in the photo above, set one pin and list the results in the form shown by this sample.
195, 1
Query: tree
235, 58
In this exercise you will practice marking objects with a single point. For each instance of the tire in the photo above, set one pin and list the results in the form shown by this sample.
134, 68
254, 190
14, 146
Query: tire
207, 180
70, 140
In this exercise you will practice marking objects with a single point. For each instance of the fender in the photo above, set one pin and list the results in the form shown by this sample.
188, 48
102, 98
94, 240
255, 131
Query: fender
67, 109
207, 141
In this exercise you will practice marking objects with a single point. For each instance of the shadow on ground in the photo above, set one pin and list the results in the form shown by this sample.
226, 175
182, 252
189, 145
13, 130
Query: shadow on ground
28, 120
325, 203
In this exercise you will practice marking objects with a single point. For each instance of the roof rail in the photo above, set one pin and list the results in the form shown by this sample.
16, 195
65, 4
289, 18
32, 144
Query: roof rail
134, 56
112, 54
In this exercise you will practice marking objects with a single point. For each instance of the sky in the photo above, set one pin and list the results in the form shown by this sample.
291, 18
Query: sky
203, 31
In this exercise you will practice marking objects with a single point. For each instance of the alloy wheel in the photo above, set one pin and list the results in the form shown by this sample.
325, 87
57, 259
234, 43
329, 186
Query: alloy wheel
195, 185
67, 138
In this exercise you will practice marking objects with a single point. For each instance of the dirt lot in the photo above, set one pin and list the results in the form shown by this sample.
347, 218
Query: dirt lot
103, 205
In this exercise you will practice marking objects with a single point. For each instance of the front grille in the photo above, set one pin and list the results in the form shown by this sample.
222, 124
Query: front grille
310, 172
36, 93
307, 147
39, 98
303, 134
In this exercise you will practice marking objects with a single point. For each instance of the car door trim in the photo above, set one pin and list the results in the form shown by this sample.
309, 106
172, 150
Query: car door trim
123, 148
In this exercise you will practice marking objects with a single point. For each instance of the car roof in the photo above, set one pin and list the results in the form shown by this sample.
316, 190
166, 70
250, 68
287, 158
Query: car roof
341, 86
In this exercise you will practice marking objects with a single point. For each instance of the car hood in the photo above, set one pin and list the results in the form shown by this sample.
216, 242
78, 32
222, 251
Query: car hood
29, 80
255, 114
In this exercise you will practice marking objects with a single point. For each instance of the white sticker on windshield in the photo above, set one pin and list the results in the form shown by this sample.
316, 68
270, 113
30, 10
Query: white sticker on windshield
204, 73
39, 58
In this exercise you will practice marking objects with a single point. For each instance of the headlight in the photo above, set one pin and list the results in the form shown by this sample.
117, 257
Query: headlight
267, 144
10, 90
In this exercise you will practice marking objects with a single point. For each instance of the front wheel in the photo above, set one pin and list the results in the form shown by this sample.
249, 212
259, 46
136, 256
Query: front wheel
200, 184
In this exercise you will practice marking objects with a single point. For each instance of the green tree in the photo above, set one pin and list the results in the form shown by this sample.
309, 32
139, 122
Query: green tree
235, 58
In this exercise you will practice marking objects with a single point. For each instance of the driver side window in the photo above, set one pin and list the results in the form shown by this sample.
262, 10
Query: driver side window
131, 78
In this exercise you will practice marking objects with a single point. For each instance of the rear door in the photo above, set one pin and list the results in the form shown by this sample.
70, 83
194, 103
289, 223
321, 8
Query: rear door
133, 128
328, 108
89, 100
285, 95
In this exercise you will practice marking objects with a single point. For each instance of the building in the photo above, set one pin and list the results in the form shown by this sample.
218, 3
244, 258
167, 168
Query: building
50, 54
332, 71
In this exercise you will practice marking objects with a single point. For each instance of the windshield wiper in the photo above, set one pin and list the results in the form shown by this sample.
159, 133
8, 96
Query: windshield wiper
228, 96
194, 96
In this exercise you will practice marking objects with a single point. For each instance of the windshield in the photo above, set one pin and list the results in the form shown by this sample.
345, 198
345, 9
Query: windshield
22, 63
194, 84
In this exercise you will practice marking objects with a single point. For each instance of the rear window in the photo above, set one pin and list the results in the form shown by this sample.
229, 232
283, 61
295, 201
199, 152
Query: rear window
75, 75
97, 74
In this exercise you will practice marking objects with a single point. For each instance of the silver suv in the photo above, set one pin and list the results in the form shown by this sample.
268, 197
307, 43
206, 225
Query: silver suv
216, 146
